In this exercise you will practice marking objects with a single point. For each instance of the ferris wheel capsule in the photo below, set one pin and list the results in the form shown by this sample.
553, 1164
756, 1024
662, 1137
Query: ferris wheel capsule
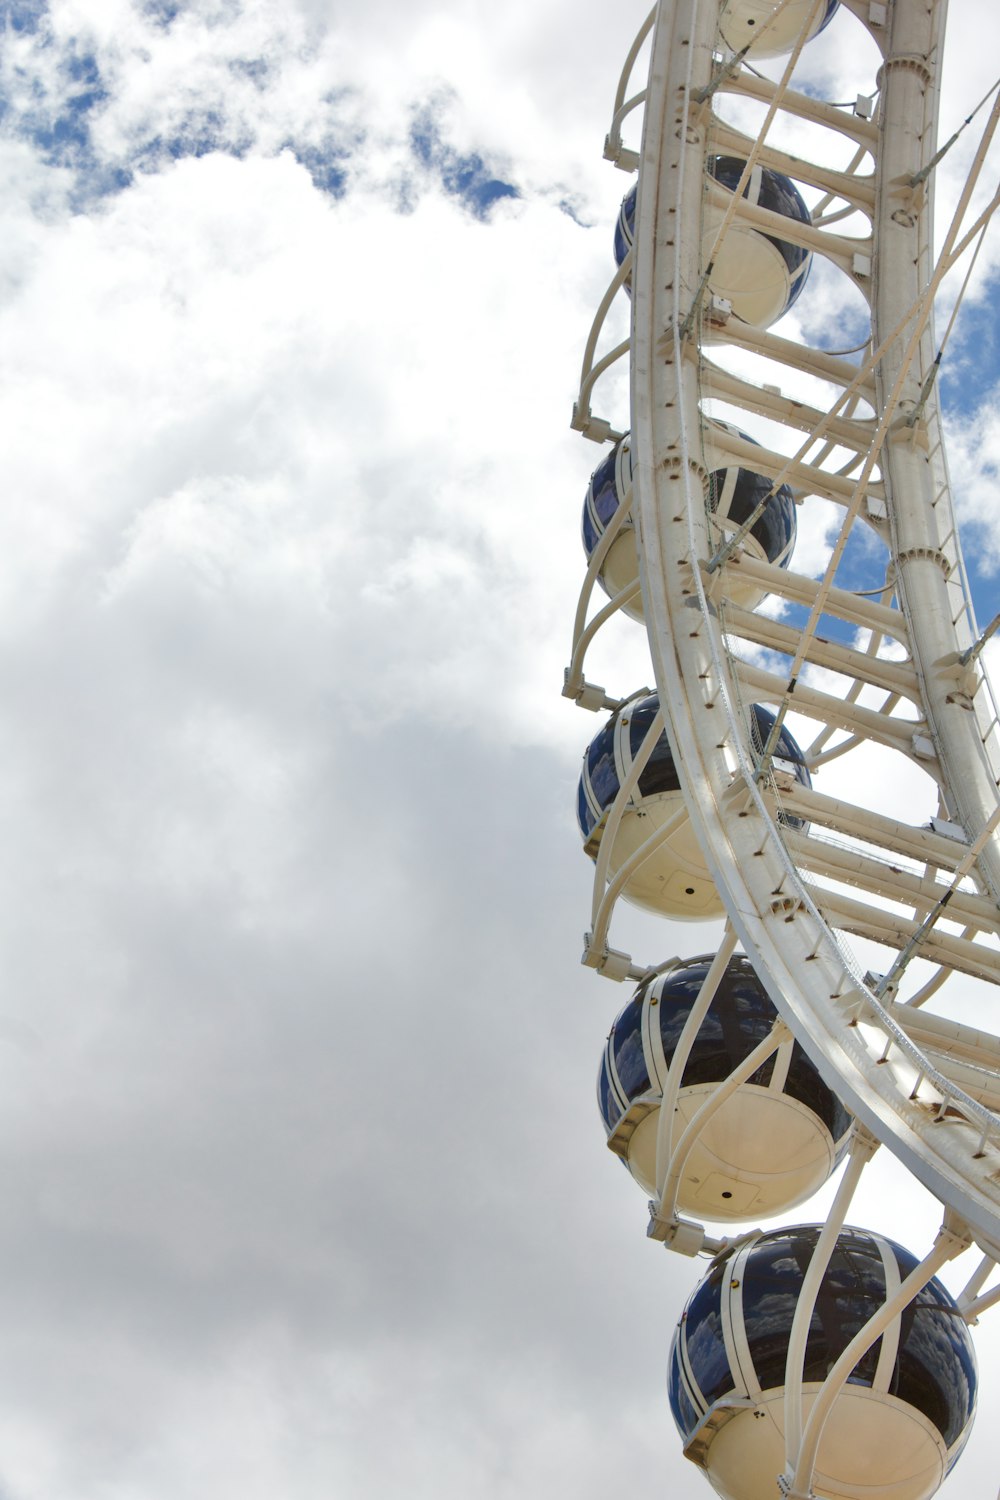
770, 1146
896, 1427
734, 494
743, 24
625, 230
674, 879
760, 275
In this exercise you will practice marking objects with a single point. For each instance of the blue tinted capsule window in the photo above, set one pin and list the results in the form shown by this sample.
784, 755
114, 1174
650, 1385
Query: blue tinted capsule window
606, 496
601, 772
611, 1111
685, 1415
741, 1016
659, 773
761, 724
775, 530
935, 1369
584, 816
771, 1283
602, 502
831, 7
805, 1084
630, 1061
625, 227
936, 1366
704, 1341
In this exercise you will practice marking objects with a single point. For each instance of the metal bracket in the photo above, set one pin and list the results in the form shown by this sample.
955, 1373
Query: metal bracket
597, 429
676, 1234
622, 156
587, 694
609, 962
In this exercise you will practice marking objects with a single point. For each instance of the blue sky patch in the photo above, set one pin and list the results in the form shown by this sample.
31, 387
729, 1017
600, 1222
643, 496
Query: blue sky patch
58, 124
463, 176
573, 209
198, 134
162, 12
862, 569
61, 93
324, 165
256, 69
61, 130
970, 365
23, 15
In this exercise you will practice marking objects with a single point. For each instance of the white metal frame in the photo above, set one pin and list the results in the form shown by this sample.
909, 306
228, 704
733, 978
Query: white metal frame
919, 1079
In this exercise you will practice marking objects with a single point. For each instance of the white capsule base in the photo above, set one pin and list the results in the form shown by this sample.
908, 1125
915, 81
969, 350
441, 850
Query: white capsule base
738, 590
743, 20
621, 570
748, 271
673, 881
761, 1154
874, 1447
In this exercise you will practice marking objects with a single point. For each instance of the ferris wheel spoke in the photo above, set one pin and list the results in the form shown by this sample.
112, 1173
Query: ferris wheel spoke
768, 402
893, 676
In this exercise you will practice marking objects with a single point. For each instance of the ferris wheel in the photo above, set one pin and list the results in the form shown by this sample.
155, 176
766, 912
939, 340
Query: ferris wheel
819, 762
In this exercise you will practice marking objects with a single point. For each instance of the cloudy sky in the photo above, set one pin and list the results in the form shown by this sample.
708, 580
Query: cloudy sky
303, 1191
